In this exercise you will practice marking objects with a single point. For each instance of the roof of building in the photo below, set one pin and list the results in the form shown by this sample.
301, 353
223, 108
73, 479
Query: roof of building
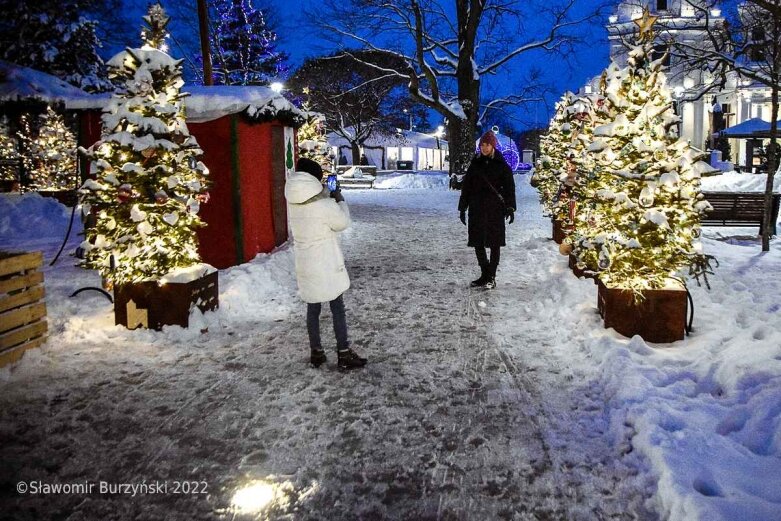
18, 83
204, 103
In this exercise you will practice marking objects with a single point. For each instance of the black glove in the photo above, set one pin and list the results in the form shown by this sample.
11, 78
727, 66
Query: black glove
462, 216
337, 196
510, 216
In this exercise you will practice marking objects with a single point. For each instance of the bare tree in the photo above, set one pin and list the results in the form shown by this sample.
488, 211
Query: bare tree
448, 49
358, 101
747, 44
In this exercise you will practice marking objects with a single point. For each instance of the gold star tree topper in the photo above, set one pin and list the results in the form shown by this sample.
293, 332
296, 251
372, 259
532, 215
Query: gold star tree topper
645, 25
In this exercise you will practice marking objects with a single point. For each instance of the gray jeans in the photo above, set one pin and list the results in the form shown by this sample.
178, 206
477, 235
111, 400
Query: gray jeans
340, 323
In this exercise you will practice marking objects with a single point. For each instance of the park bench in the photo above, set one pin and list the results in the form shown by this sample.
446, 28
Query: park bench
739, 209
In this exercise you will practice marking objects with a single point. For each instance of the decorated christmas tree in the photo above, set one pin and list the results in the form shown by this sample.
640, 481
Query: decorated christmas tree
244, 46
150, 183
554, 152
644, 211
593, 110
48, 153
9, 153
312, 142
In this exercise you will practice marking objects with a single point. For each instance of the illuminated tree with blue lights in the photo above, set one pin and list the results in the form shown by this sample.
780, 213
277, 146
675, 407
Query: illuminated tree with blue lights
244, 46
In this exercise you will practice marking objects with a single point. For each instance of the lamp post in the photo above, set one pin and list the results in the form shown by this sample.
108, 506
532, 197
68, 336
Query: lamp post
438, 134
410, 118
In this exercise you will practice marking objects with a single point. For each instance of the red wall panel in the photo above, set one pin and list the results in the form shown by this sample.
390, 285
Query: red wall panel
255, 160
217, 239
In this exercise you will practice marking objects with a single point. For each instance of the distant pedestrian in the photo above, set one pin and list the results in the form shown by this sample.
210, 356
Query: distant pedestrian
316, 215
488, 194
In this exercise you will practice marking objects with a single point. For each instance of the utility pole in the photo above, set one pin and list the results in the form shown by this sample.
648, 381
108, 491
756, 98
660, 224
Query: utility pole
203, 26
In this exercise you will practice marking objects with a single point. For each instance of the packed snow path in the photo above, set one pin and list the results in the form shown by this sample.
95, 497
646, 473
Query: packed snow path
461, 414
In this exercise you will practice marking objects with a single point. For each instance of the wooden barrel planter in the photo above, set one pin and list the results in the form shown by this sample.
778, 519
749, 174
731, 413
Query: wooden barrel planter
22, 308
579, 273
153, 305
659, 317
558, 231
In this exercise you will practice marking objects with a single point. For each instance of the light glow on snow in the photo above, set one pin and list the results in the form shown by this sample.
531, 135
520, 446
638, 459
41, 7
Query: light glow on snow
254, 497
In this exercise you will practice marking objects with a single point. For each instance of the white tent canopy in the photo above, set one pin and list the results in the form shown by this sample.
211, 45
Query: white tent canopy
425, 151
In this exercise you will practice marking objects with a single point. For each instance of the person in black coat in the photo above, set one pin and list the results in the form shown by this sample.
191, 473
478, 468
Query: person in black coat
488, 194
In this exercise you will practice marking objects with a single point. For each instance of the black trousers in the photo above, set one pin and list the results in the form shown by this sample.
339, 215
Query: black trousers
482, 259
340, 323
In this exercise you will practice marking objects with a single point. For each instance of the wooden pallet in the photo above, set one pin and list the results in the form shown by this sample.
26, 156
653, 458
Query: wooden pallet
22, 308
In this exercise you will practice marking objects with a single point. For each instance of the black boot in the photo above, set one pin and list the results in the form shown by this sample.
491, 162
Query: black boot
483, 278
317, 357
491, 282
349, 359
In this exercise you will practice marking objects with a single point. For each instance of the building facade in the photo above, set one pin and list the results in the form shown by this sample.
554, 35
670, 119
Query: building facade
702, 110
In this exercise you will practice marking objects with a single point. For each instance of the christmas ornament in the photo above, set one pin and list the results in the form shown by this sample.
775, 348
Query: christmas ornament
124, 192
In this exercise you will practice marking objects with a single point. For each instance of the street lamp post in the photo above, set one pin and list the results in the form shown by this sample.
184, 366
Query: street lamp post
410, 118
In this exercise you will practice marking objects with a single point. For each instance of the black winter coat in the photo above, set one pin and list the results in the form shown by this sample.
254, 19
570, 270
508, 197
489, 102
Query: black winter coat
486, 210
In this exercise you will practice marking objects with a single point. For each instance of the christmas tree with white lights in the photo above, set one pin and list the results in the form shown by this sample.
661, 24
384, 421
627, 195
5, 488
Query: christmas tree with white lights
593, 110
312, 141
49, 153
553, 163
646, 205
9, 152
150, 183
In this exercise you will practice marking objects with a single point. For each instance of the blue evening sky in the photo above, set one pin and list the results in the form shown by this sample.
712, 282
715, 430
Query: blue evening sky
300, 41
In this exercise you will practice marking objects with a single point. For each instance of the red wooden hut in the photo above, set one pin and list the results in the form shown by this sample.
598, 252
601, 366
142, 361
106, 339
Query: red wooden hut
248, 138
247, 134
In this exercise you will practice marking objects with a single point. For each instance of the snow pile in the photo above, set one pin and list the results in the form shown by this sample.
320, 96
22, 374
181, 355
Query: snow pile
33, 216
417, 180
738, 182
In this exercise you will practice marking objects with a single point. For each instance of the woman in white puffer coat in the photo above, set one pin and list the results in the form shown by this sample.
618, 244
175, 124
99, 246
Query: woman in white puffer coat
316, 215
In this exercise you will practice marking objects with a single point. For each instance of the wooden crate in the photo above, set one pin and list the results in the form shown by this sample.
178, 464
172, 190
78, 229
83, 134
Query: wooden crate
150, 305
22, 308
660, 316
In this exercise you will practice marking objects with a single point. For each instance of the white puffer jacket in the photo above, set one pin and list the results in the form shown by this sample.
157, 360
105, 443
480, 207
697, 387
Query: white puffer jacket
315, 218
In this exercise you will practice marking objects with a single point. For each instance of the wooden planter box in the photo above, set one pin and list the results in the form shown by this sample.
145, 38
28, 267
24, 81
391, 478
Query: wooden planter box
660, 317
151, 305
558, 231
22, 308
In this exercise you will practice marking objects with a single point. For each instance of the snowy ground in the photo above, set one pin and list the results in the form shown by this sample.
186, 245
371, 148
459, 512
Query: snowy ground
508, 404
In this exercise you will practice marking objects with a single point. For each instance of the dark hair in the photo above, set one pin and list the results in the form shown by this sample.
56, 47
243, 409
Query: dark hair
310, 167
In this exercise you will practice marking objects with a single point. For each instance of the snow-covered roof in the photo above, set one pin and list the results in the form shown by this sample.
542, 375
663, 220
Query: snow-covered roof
401, 138
18, 83
206, 103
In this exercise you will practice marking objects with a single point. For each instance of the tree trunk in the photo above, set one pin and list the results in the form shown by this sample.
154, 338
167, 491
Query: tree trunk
356, 152
461, 145
772, 165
